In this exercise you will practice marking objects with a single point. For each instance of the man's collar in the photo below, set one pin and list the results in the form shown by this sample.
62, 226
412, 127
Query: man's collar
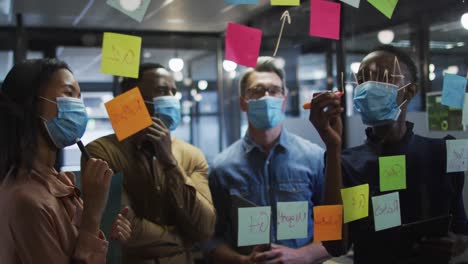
373, 139
250, 144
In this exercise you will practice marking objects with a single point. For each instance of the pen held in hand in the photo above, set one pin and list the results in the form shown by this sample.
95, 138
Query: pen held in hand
83, 149
308, 105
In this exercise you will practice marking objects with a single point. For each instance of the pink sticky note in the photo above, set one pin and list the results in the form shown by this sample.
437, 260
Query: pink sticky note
325, 19
243, 44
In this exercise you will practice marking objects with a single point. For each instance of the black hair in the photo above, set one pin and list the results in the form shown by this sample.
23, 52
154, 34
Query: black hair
19, 117
264, 64
402, 57
128, 83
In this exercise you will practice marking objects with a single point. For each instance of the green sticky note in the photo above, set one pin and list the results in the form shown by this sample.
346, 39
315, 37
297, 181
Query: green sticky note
392, 171
285, 2
386, 211
254, 226
385, 6
120, 54
355, 202
136, 14
292, 218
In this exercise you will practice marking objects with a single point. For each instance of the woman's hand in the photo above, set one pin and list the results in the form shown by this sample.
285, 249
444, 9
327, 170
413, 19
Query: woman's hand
121, 228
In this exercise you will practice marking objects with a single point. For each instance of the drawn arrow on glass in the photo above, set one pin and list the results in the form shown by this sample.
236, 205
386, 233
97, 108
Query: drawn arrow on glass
284, 16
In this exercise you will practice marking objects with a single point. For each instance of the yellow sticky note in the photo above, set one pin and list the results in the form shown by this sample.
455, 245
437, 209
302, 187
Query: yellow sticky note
285, 2
355, 202
120, 54
128, 114
328, 222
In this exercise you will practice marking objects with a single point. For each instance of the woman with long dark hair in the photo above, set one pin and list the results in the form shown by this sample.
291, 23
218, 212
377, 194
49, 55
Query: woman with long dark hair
43, 219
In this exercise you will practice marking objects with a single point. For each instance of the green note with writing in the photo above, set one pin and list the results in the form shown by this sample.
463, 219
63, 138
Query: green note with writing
392, 171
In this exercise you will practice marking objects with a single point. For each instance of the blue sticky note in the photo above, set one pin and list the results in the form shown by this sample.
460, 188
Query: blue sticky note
241, 2
113, 207
386, 211
292, 219
254, 226
453, 91
136, 14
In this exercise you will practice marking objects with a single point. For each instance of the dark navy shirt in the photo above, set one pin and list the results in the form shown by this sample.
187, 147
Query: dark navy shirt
430, 192
291, 171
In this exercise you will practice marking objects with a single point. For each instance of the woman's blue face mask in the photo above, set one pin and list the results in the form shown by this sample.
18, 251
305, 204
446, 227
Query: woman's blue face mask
70, 123
377, 102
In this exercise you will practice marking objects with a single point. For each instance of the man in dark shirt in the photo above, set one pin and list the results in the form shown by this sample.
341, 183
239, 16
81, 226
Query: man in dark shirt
430, 191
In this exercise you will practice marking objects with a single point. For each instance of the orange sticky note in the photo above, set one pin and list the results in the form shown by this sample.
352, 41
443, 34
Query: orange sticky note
128, 114
328, 222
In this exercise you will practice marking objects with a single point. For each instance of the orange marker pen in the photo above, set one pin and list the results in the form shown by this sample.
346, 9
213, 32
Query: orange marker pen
308, 105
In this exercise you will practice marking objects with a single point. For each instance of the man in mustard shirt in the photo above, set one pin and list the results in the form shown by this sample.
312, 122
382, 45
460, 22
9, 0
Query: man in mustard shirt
165, 179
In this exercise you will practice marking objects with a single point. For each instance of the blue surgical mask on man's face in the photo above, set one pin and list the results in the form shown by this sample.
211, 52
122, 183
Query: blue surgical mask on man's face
266, 112
377, 102
70, 123
168, 110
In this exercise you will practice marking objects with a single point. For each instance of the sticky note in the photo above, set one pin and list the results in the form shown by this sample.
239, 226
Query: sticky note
328, 222
355, 202
325, 19
285, 2
243, 44
457, 155
386, 211
254, 226
465, 111
353, 3
392, 173
128, 114
241, 2
136, 14
292, 219
453, 91
120, 54
385, 6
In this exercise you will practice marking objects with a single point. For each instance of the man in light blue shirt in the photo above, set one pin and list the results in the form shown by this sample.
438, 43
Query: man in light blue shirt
267, 166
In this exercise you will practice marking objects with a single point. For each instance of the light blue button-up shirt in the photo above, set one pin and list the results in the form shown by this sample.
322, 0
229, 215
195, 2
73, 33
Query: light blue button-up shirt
292, 171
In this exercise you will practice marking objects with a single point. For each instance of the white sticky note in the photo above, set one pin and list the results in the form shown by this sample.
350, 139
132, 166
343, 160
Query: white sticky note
386, 211
465, 111
457, 155
353, 3
254, 226
292, 219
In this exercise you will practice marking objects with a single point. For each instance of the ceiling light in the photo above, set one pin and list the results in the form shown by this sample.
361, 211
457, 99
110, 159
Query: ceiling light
449, 46
176, 64
202, 85
193, 92
464, 21
178, 76
130, 5
432, 76
386, 36
187, 81
431, 67
198, 97
178, 95
355, 67
229, 66
147, 55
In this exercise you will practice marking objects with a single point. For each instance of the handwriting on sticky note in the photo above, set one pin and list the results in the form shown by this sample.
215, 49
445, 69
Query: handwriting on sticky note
254, 226
457, 155
453, 90
387, 7
285, 2
328, 222
121, 54
128, 114
355, 202
325, 19
243, 44
292, 219
386, 211
392, 172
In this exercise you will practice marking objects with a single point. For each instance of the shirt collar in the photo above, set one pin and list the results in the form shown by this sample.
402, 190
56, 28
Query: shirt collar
373, 139
58, 184
250, 144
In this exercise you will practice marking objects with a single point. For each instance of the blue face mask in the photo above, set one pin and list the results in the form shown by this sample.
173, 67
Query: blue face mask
70, 122
266, 112
377, 102
168, 110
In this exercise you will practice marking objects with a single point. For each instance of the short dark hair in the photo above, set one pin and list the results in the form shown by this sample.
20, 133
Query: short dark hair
264, 64
128, 83
19, 117
402, 57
